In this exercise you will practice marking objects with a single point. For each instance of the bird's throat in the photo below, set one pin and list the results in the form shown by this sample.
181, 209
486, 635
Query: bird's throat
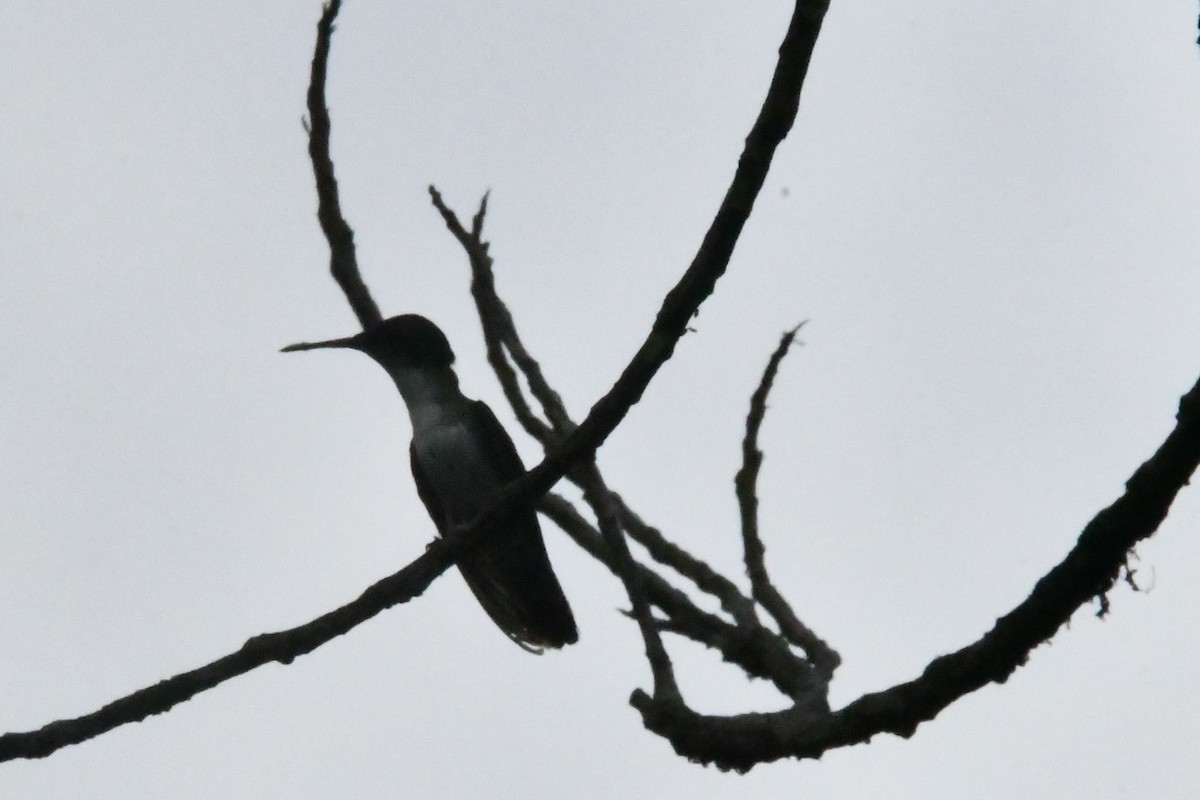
432, 397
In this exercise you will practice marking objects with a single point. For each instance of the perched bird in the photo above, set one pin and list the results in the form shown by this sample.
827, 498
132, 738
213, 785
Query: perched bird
460, 456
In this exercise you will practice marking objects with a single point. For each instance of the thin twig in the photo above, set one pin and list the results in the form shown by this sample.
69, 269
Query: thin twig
500, 332
823, 657
758, 653
343, 263
601, 500
695, 569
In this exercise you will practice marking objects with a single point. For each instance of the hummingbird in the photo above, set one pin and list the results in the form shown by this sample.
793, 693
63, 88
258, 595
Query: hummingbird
460, 455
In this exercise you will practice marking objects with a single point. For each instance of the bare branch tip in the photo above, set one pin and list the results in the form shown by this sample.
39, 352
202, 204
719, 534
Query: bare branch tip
789, 338
435, 197
477, 220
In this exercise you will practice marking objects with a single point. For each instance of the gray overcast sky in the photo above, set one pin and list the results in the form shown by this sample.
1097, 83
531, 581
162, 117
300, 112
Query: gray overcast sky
987, 211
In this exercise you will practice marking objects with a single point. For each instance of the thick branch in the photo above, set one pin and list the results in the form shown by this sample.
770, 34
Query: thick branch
681, 303
1088, 571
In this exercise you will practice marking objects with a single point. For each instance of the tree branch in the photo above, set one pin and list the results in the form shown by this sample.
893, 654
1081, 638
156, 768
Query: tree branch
500, 332
697, 283
1088, 571
343, 263
501, 338
710, 262
282, 646
823, 657
500, 335
757, 652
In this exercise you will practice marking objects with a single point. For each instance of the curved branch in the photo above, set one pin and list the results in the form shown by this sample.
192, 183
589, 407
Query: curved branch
824, 658
1088, 571
683, 301
343, 263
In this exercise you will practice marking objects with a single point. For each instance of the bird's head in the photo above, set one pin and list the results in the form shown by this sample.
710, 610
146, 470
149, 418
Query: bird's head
408, 341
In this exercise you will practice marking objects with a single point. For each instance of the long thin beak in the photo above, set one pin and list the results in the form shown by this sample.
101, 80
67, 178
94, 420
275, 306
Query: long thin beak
349, 342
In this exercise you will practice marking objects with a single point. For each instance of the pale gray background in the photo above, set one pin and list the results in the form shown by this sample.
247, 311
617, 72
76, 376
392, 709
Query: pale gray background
987, 210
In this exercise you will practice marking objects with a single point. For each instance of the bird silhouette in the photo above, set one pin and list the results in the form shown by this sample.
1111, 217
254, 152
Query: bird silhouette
461, 455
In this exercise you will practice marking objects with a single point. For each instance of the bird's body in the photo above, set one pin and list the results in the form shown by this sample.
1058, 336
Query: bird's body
454, 468
460, 456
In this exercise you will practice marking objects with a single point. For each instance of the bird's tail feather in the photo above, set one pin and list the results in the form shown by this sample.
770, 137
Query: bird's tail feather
513, 580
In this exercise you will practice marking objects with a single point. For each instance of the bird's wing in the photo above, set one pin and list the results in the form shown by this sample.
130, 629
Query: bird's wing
503, 458
485, 579
425, 491
511, 574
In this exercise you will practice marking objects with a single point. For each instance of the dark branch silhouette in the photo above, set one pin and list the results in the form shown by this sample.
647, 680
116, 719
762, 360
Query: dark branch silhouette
343, 263
824, 658
754, 648
1088, 571
697, 283
283, 646
500, 332
662, 578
